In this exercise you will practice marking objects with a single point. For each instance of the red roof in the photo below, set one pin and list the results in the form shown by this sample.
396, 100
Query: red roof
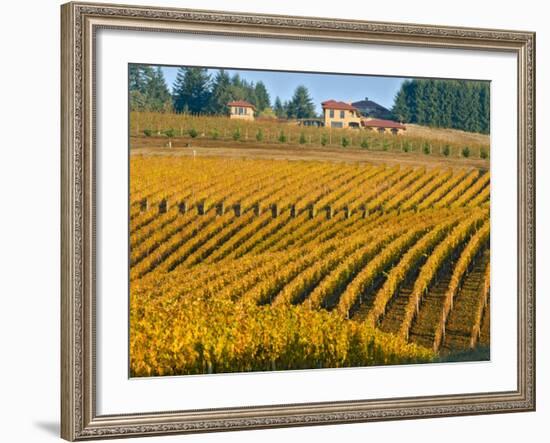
241, 103
333, 104
379, 123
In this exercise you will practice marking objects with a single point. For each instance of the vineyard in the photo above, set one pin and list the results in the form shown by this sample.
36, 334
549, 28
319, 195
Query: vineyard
185, 129
251, 265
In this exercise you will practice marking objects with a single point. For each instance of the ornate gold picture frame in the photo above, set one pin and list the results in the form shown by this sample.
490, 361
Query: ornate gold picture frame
80, 23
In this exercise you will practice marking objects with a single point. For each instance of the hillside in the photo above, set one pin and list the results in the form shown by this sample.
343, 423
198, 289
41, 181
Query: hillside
448, 135
161, 130
241, 265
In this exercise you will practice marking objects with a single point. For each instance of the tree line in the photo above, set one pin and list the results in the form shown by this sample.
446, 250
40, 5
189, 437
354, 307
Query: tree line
148, 90
196, 91
458, 104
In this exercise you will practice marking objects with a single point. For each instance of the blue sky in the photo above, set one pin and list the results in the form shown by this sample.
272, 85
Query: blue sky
348, 88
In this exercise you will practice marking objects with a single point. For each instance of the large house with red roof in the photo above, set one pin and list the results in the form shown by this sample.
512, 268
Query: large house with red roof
340, 115
345, 115
241, 109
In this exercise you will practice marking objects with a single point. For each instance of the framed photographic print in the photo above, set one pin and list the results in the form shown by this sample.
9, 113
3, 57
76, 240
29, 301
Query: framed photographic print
282, 221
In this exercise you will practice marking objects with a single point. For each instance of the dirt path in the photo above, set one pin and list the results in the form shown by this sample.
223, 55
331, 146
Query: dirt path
391, 321
485, 338
462, 316
423, 327
347, 155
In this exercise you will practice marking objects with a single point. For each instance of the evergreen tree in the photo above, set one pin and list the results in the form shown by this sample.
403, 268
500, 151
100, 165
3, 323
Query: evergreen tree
250, 94
136, 81
400, 108
445, 99
137, 101
262, 97
243, 90
419, 108
148, 90
237, 89
301, 104
191, 90
222, 93
461, 109
473, 117
157, 94
485, 109
246, 91
430, 103
286, 109
279, 109
236, 80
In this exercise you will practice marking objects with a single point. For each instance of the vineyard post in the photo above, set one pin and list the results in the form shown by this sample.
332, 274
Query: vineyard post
237, 208
202, 208
221, 208
312, 210
293, 211
258, 209
182, 206
347, 211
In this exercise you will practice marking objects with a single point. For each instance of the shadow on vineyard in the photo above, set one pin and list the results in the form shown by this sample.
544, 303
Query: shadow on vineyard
480, 353
251, 264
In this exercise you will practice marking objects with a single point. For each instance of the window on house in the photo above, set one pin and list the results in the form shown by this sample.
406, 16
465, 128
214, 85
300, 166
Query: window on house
241, 111
342, 114
331, 113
